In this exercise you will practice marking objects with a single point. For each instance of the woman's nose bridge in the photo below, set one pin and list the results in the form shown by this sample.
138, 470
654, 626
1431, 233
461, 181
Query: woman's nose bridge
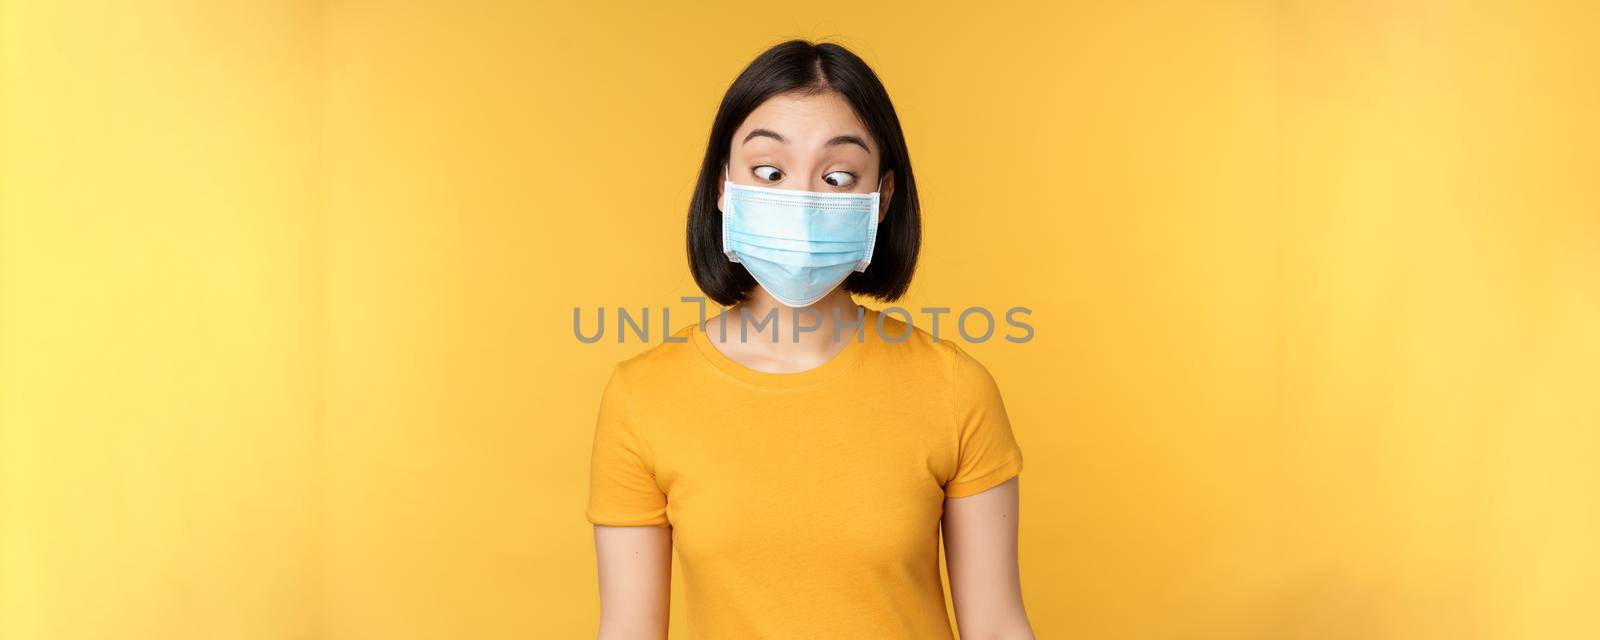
809, 166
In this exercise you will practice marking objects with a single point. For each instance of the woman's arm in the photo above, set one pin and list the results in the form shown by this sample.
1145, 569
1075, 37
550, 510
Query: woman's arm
980, 548
635, 581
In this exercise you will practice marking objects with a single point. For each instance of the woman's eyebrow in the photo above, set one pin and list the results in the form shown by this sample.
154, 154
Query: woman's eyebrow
836, 140
765, 133
847, 139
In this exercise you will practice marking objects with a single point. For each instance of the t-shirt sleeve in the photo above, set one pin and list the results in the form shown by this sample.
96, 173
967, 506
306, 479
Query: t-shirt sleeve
622, 484
987, 453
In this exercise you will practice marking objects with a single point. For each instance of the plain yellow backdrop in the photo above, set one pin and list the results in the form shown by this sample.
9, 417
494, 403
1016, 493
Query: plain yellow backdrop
286, 292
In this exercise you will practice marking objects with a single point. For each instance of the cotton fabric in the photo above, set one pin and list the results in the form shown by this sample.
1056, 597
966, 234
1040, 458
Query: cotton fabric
802, 505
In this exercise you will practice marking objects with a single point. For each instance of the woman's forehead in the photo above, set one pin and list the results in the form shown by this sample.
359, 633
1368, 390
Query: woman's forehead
808, 121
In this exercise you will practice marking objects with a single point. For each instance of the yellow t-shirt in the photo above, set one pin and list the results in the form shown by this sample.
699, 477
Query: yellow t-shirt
802, 505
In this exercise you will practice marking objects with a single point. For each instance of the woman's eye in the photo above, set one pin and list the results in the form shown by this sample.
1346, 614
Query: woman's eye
768, 172
840, 178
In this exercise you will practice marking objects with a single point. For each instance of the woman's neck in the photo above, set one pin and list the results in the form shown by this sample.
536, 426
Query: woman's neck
767, 335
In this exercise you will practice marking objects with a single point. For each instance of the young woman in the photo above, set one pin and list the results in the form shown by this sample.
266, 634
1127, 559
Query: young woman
802, 452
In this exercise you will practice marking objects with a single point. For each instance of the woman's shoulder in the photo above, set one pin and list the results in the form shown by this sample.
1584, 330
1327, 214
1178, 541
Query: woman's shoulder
921, 345
667, 357
657, 373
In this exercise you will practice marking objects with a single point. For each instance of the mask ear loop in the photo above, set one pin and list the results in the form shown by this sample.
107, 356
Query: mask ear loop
872, 226
726, 219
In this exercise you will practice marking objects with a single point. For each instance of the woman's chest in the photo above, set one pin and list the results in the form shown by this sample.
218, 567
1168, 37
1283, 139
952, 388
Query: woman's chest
849, 477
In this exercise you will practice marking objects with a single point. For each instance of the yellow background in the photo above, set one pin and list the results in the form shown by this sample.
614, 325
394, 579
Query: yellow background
286, 293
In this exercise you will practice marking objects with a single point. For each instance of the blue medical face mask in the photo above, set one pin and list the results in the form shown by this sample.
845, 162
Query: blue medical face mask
798, 245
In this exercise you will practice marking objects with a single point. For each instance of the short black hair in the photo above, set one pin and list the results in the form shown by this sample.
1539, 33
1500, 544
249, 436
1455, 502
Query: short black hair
801, 65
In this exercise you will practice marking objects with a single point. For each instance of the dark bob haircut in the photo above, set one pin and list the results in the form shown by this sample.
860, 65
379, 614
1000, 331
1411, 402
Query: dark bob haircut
812, 68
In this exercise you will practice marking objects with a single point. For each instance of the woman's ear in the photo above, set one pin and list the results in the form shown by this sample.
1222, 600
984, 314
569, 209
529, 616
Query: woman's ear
885, 195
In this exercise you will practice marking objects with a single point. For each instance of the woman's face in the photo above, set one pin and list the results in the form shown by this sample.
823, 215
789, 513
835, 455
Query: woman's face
808, 143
